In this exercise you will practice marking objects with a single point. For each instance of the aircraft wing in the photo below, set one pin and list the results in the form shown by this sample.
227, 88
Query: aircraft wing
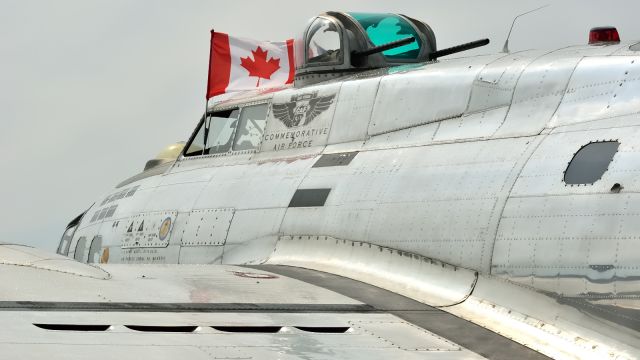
52, 307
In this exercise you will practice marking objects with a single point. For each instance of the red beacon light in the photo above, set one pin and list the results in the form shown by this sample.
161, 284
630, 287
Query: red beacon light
604, 35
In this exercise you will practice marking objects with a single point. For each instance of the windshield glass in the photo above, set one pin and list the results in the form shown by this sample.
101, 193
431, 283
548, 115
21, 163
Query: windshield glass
221, 130
217, 131
385, 28
197, 144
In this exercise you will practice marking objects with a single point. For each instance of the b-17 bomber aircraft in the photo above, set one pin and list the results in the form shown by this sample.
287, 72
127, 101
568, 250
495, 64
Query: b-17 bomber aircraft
394, 202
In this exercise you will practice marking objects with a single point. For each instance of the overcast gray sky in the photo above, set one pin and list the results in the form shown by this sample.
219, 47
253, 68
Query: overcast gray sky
90, 90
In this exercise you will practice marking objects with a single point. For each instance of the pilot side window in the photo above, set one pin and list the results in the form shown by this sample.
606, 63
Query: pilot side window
196, 146
221, 129
250, 127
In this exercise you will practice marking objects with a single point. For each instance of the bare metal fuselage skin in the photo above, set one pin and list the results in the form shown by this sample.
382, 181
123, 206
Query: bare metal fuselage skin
448, 187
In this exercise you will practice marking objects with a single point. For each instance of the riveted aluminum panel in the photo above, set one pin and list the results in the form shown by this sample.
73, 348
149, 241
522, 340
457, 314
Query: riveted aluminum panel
471, 126
252, 235
440, 201
180, 197
418, 135
300, 118
137, 195
147, 229
211, 254
617, 122
222, 159
601, 87
207, 227
592, 50
265, 184
544, 172
538, 93
434, 92
496, 82
353, 110
557, 236
405, 336
190, 173
576, 241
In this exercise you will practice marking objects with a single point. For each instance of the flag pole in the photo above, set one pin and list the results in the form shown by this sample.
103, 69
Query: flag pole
206, 126
206, 101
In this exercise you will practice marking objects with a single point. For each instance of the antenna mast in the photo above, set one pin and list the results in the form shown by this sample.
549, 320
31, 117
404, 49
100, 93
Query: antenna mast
505, 48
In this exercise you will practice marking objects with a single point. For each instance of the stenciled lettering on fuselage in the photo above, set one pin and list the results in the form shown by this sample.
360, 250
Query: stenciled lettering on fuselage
301, 122
142, 256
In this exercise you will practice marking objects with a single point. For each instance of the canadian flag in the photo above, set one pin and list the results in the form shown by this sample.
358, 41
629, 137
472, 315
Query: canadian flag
237, 64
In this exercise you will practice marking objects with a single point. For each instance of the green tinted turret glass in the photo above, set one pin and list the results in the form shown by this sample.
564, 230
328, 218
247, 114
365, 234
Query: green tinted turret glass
385, 28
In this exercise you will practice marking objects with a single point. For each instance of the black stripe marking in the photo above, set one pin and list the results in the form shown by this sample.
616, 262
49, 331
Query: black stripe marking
309, 197
173, 329
338, 159
72, 327
249, 329
324, 329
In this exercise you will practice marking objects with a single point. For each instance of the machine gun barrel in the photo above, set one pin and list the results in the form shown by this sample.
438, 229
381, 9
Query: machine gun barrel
458, 48
384, 47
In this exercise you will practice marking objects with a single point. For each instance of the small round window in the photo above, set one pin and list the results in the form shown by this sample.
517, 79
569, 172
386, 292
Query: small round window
590, 163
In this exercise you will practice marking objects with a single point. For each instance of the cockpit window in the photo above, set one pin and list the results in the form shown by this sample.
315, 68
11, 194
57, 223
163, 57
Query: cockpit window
323, 44
224, 131
250, 127
196, 146
214, 135
222, 126
385, 28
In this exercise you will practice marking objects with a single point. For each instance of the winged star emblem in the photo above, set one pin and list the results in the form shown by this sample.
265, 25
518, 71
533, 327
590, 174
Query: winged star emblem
302, 109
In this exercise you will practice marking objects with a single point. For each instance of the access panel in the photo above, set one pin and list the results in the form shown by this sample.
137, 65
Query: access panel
207, 227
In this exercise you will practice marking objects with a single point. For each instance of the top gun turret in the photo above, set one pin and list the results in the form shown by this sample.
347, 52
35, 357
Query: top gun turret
335, 44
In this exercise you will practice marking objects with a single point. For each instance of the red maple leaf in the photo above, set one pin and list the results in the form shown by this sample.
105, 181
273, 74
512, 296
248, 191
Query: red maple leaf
260, 67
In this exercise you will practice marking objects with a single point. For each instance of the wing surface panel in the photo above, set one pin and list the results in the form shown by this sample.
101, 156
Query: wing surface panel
222, 312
